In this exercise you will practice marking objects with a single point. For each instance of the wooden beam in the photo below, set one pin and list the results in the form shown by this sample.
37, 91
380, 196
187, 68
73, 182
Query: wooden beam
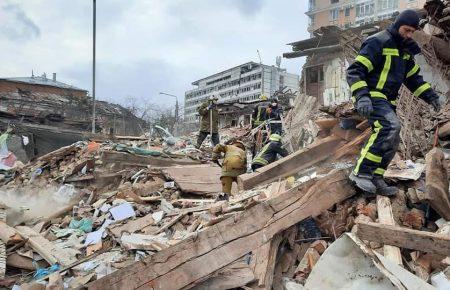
235, 275
49, 251
182, 264
404, 238
385, 216
291, 164
436, 182
120, 157
264, 263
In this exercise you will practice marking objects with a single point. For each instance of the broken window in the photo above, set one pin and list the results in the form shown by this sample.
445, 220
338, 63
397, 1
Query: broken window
334, 1
314, 74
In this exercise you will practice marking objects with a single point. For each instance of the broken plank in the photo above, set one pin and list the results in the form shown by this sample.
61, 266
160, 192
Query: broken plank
404, 238
8, 234
290, 164
264, 263
17, 261
184, 263
326, 124
385, 216
436, 183
196, 179
131, 226
347, 135
120, 157
354, 146
235, 275
49, 251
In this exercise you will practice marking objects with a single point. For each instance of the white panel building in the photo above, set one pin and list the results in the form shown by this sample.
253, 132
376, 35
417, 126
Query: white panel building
245, 82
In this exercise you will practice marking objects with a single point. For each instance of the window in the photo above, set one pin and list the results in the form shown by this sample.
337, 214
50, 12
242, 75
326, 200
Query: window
334, 14
347, 12
388, 4
365, 9
334, 1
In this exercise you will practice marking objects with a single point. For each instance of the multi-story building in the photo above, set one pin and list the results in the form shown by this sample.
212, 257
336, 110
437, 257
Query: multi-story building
351, 13
245, 82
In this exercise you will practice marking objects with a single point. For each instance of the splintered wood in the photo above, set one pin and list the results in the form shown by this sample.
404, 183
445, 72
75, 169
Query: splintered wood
186, 263
386, 217
437, 183
290, 164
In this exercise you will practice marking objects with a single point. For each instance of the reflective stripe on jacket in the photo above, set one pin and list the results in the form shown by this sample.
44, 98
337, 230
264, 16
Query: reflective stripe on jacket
269, 152
381, 67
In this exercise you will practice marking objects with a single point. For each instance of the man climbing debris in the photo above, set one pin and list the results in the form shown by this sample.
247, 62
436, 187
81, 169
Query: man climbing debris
209, 121
384, 63
259, 113
234, 164
269, 152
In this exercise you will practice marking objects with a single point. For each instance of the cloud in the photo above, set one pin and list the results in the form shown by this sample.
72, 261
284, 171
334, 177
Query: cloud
145, 47
247, 7
16, 25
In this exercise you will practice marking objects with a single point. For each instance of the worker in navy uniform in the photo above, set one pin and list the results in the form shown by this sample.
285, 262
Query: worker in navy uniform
384, 63
269, 152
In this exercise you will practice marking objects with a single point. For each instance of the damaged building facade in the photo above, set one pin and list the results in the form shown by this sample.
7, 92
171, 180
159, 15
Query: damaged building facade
243, 83
52, 114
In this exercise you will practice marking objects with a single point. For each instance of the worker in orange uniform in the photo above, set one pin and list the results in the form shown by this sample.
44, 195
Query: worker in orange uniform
234, 164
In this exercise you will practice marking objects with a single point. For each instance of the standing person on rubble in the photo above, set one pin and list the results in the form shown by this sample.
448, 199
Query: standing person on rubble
209, 121
269, 152
274, 114
259, 115
384, 63
234, 164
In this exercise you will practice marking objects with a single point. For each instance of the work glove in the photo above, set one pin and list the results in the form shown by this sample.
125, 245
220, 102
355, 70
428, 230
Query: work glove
436, 105
364, 106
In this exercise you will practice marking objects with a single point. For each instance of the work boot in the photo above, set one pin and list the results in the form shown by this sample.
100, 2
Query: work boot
222, 196
383, 188
365, 183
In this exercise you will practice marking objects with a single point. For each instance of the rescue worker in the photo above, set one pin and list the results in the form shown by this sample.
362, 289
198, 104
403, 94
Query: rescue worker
208, 114
385, 62
274, 114
259, 113
269, 152
234, 164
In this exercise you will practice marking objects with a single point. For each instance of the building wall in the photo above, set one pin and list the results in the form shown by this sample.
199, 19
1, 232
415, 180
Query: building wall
8, 86
336, 89
244, 83
64, 108
320, 11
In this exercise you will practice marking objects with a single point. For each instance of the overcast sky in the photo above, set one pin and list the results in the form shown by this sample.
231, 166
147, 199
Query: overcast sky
145, 46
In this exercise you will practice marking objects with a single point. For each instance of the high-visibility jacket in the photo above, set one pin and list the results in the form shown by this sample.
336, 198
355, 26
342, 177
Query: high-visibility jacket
269, 152
382, 65
234, 162
260, 114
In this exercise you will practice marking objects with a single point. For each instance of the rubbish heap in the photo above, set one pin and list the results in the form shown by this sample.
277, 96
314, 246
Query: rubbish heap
142, 214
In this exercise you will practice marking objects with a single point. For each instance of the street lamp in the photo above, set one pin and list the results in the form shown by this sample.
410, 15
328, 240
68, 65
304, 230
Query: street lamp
176, 104
93, 64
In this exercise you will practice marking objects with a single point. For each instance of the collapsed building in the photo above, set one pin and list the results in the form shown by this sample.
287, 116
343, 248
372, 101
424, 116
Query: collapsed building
142, 215
48, 114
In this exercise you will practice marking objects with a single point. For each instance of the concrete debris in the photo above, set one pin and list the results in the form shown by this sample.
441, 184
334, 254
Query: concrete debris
135, 212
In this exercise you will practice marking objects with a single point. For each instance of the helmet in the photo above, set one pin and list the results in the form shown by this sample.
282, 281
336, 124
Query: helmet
263, 98
275, 137
213, 98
